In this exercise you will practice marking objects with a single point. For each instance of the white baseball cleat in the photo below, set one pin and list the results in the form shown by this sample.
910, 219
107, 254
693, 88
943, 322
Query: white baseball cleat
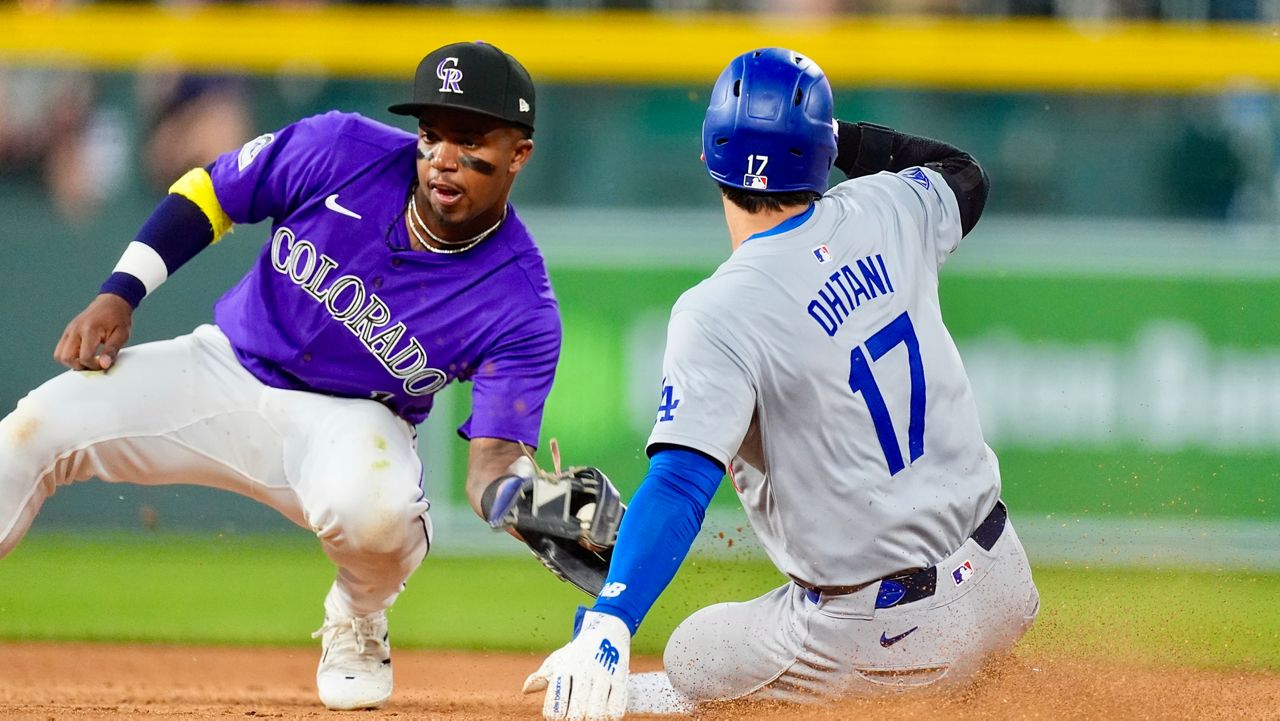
355, 667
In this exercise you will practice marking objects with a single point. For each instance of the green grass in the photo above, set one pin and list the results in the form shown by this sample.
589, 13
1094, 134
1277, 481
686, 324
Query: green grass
1204, 618
267, 590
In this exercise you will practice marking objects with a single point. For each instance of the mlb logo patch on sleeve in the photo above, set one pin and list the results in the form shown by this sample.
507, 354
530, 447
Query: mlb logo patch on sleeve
962, 573
251, 150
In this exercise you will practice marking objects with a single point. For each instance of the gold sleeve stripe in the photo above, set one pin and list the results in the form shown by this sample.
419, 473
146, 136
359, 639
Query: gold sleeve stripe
197, 187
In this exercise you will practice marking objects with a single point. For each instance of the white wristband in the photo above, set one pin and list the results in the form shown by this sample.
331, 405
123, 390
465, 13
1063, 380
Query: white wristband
144, 263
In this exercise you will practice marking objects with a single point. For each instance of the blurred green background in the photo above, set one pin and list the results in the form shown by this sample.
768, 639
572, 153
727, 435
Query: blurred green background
1117, 309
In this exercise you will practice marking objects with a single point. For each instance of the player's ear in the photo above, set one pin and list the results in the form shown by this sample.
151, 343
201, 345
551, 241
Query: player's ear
520, 153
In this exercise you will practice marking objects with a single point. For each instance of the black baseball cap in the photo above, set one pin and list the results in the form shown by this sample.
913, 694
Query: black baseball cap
477, 77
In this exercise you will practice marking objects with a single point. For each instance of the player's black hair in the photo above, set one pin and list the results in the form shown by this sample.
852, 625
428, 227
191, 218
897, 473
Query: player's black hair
754, 201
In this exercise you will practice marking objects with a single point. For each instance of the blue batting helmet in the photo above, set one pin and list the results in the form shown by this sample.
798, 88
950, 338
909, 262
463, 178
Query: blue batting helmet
769, 125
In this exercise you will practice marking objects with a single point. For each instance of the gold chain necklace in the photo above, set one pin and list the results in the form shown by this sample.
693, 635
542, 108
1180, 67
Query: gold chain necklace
462, 246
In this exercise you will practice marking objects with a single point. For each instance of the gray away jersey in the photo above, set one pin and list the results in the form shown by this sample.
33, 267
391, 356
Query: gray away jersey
815, 364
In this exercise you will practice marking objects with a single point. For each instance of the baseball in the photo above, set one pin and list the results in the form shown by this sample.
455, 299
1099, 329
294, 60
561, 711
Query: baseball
586, 513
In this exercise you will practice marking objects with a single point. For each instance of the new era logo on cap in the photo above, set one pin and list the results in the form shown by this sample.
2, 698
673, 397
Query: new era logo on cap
524, 105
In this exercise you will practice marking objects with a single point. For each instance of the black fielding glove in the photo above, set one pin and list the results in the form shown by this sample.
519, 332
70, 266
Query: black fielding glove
569, 519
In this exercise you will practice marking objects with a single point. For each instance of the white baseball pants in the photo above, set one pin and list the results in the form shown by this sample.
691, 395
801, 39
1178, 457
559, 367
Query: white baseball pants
185, 411
785, 646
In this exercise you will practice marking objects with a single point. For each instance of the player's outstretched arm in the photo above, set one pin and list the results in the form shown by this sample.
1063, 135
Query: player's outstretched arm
186, 221
94, 337
867, 148
487, 460
587, 678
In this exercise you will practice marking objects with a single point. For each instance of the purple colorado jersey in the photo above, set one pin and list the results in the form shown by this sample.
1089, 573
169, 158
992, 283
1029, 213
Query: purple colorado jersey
338, 303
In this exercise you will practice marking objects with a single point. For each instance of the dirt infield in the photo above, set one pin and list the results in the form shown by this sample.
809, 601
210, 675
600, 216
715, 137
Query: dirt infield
81, 681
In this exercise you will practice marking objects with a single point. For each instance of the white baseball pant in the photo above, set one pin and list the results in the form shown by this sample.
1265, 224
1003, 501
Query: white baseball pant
787, 646
185, 411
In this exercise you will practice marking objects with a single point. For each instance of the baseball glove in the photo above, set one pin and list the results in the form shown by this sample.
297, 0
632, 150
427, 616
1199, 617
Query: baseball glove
569, 518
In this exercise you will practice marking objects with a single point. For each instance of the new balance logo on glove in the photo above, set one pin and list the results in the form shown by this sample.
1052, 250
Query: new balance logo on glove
587, 678
607, 655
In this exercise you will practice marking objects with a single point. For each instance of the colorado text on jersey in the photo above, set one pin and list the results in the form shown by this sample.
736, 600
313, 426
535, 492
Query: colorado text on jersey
360, 311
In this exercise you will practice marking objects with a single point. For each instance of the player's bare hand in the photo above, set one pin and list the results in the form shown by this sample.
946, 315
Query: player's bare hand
93, 338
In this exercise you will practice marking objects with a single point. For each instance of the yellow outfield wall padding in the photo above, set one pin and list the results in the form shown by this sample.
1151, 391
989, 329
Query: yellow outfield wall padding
639, 47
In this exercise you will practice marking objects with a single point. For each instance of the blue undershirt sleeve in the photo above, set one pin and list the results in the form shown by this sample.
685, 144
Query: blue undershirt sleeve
660, 524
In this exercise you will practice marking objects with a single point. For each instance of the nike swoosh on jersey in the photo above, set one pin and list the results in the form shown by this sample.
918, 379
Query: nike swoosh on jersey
887, 641
331, 203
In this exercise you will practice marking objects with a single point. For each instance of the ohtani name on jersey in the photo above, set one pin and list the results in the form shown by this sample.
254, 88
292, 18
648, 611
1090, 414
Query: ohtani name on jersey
346, 299
846, 289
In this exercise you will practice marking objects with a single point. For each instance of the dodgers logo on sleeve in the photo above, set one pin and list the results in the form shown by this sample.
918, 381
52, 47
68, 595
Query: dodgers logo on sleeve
251, 150
667, 409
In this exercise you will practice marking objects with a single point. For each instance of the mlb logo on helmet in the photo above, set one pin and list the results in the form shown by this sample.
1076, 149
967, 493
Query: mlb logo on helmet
755, 182
822, 253
962, 573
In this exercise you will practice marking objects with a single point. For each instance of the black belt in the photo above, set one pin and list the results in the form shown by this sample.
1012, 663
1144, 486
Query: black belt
914, 585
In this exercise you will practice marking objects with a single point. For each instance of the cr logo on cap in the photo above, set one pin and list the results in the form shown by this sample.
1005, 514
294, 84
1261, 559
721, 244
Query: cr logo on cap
449, 76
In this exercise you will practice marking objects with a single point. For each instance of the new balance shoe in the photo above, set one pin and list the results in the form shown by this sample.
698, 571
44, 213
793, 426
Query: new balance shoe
355, 666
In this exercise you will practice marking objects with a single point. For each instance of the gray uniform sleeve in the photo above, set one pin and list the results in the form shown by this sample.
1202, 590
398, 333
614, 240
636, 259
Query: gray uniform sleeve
922, 202
708, 390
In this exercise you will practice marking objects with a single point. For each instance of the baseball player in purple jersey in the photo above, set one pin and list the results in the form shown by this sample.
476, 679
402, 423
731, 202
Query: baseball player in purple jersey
394, 266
